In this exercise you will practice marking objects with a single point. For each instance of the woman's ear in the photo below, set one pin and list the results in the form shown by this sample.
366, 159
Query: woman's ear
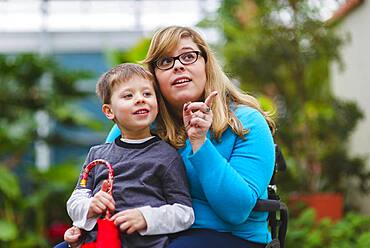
107, 110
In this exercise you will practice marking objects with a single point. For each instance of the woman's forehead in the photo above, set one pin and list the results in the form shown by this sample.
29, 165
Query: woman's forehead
182, 44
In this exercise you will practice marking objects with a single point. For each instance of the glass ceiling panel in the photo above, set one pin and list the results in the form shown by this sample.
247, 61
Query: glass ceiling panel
99, 15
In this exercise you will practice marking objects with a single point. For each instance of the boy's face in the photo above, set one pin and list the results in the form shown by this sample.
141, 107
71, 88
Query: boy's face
133, 107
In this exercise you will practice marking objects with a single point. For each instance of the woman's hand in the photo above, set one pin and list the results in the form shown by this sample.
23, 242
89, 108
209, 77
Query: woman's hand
129, 221
101, 201
198, 118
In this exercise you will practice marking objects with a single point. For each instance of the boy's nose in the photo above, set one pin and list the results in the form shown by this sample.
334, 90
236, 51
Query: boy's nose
140, 99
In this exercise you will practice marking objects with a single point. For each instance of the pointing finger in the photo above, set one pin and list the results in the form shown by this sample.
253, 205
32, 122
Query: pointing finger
210, 98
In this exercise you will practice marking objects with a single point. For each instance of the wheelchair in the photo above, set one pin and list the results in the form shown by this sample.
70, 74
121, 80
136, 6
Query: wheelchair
278, 211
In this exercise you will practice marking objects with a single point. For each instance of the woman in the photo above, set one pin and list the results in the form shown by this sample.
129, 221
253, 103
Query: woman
224, 140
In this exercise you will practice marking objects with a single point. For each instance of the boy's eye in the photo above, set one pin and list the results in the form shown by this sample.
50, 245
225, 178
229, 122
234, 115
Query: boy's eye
127, 96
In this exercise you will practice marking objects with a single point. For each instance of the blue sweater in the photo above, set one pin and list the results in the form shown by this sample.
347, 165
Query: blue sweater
227, 178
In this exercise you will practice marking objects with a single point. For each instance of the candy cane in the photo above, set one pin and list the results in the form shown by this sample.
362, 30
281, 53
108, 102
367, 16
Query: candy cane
87, 170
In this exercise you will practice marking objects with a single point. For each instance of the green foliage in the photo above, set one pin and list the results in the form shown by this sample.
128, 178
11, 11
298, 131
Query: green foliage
283, 51
30, 83
352, 231
30, 200
134, 54
9, 185
9, 231
24, 219
9, 193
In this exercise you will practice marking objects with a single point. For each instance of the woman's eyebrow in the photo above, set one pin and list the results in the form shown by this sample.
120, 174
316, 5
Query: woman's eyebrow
187, 48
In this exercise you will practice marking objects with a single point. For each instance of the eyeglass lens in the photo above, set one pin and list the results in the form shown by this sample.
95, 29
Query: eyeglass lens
187, 58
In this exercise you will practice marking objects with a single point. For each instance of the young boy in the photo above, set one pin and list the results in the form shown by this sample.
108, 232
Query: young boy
150, 191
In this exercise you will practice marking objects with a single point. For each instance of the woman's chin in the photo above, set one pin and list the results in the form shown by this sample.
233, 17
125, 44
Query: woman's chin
185, 97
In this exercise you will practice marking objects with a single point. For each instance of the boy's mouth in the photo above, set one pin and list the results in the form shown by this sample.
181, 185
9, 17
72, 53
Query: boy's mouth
141, 111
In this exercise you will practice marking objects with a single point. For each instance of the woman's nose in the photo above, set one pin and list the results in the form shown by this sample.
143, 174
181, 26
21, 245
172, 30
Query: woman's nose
178, 65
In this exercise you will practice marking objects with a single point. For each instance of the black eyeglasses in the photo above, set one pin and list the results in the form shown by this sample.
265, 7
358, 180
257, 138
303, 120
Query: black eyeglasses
187, 58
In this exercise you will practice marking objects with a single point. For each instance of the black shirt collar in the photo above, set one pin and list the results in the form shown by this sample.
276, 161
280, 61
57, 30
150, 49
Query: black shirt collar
120, 143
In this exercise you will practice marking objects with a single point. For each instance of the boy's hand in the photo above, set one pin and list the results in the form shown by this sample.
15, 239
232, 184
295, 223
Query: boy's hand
129, 221
72, 235
101, 201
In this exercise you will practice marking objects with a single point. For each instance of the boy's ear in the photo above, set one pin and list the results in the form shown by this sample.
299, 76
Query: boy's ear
108, 111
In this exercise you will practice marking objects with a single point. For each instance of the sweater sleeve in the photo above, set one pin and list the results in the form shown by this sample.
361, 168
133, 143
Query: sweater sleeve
78, 207
232, 186
113, 134
79, 202
167, 218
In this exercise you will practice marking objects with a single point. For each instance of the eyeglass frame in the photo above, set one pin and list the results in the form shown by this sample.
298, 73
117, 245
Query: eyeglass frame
178, 58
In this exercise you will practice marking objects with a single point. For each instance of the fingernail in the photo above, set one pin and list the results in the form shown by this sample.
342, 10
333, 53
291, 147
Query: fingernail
186, 105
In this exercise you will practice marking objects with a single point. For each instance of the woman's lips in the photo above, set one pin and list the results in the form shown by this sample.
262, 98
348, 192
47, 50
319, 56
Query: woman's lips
179, 82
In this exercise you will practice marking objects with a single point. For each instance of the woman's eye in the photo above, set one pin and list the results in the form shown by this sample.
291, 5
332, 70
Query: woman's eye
165, 61
188, 56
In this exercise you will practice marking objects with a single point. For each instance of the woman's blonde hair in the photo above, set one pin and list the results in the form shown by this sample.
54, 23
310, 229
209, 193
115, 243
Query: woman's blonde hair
165, 40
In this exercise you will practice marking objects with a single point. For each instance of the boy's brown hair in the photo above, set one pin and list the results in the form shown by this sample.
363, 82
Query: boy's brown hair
120, 74
125, 72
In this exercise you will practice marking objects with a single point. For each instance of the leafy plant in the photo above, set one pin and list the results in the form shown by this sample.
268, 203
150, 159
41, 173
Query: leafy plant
134, 54
28, 84
352, 231
30, 200
9, 192
25, 216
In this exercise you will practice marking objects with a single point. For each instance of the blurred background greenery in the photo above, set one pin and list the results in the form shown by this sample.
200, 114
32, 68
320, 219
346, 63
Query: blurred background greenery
279, 51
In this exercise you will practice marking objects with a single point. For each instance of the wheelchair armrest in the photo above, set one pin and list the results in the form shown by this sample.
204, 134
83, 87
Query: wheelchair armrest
267, 205
274, 206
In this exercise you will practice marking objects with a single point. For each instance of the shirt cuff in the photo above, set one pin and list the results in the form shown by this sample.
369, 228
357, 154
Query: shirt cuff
147, 213
166, 219
86, 223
